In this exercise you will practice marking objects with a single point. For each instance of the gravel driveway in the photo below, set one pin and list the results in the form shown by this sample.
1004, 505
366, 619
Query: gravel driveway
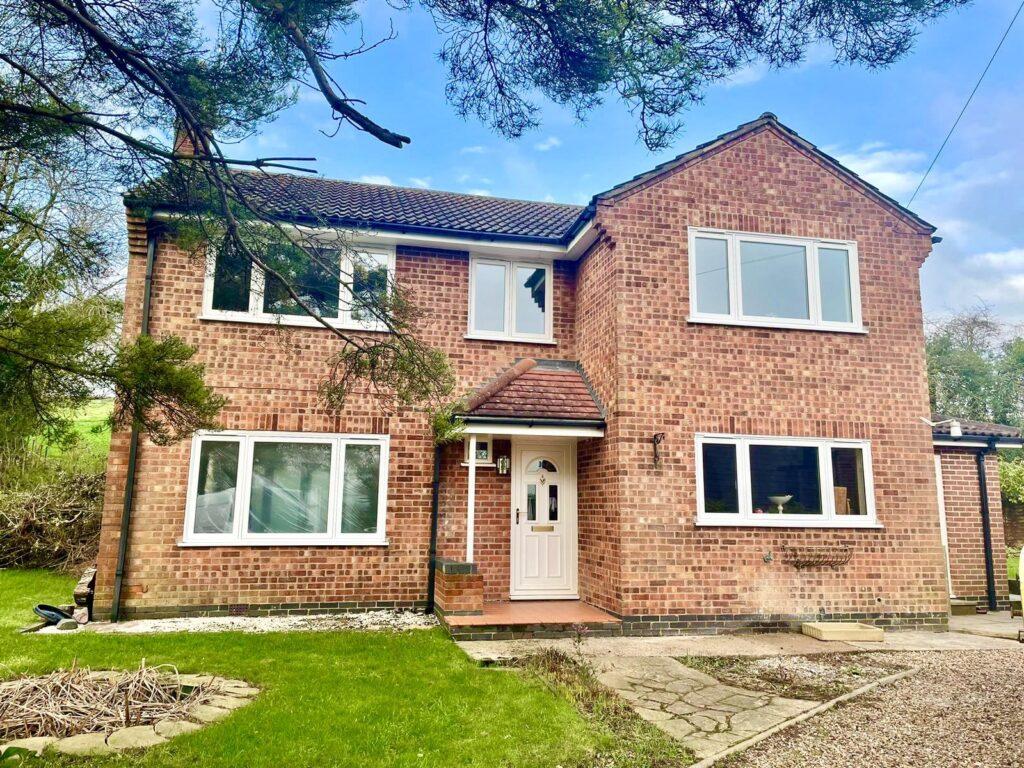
963, 709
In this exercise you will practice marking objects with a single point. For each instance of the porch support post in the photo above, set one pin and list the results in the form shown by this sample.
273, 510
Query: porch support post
471, 499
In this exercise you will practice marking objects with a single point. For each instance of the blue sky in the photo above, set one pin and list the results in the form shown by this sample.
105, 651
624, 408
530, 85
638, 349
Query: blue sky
884, 124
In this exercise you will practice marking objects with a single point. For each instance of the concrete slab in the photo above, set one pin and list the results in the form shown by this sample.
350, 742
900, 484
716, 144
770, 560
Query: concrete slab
842, 631
999, 624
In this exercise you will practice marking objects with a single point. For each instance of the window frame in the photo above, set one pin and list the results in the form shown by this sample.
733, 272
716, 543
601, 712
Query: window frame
240, 535
257, 282
510, 334
480, 439
746, 518
815, 322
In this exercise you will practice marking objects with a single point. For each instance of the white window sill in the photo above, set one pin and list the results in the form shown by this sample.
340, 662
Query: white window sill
479, 464
279, 542
775, 521
298, 321
516, 339
775, 323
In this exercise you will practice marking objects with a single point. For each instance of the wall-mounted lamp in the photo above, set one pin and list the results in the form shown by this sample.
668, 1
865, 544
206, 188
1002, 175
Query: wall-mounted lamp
656, 441
502, 464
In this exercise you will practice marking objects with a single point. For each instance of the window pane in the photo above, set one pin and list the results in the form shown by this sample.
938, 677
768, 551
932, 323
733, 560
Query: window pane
785, 476
531, 300
531, 502
232, 275
215, 487
290, 488
483, 451
711, 261
360, 494
541, 465
848, 481
834, 276
552, 502
774, 277
369, 285
314, 277
489, 298
719, 473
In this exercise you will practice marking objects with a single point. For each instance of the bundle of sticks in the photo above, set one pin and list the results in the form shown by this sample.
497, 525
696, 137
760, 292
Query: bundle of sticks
72, 701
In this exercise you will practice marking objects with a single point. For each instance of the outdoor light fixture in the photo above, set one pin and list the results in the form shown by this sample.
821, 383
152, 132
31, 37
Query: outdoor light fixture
502, 465
657, 440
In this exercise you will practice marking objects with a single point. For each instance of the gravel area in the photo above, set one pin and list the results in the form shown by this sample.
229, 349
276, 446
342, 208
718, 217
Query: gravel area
395, 621
962, 709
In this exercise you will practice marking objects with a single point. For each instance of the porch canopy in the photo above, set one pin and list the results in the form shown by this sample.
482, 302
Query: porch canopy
538, 398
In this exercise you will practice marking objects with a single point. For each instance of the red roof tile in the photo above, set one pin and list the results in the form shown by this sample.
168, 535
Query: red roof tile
538, 392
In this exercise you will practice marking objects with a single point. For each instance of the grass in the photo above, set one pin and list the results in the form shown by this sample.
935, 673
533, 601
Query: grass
91, 424
329, 699
1013, 565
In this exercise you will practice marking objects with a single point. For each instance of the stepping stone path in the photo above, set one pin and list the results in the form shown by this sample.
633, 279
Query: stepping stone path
230, 695
703, 713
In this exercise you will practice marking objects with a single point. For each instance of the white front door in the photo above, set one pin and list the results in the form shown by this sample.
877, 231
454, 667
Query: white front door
544, 532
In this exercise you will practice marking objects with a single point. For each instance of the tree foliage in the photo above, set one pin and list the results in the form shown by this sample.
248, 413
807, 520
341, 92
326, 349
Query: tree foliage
109, 82
976, 368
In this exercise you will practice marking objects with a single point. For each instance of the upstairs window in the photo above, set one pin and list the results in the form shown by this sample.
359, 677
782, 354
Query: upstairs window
781, 282
343, 287
510, 300
784, 482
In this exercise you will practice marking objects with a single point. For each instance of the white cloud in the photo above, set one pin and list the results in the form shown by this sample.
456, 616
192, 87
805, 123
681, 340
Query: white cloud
894, 171
422, 183
376, 179
481, 192
1002, 260
751, 73
549, 143
476, 149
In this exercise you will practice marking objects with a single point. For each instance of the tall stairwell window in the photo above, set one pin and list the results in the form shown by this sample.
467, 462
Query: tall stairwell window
510, 300
739, 278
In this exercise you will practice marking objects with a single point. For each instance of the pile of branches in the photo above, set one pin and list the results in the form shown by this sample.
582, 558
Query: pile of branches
70, 702
56, 524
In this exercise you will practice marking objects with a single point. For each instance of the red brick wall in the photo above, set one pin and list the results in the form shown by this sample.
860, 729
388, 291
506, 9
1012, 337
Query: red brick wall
681, 378
1013, 524
961, 493
270, 377
459, 593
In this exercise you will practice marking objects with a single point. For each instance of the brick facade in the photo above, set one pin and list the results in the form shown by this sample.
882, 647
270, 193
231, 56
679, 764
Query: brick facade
961, 493
621, 311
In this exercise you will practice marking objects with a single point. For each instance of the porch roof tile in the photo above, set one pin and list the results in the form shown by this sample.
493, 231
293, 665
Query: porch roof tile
544, 390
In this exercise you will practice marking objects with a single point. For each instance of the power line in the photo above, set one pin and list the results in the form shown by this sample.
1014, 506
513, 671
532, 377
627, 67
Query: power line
968, 102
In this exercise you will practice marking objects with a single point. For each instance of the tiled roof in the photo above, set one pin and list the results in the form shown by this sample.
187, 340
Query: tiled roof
347, 203
532, 390
976, 428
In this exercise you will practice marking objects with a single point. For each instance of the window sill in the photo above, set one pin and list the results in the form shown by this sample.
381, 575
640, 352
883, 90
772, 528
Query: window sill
515, 339
480, 464
297, 321
235, 543
771, 521
777, 324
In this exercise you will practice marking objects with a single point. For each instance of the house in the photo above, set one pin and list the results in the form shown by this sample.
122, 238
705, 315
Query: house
696, 405
976, 527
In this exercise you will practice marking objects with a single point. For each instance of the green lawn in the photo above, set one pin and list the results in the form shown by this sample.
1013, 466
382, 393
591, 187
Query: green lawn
329, 699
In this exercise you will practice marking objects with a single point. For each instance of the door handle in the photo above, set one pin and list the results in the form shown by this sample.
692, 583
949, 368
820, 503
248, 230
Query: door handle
517, 515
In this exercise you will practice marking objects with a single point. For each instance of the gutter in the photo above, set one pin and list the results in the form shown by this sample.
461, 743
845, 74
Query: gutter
528, 422
986, 525
435, 493
133, 445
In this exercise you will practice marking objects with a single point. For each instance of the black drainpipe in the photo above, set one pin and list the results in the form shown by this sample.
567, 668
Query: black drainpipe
435, 494
986, 525
133, 446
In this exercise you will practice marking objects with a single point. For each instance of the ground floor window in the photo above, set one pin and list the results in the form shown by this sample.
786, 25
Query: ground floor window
784, 482
286, 488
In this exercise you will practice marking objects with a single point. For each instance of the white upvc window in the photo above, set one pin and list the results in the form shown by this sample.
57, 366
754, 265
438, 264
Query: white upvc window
510, 300
484, 448
281, 488
739, 278
241, 292
784, 482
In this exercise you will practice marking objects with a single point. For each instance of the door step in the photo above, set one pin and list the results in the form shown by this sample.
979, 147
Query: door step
963, 607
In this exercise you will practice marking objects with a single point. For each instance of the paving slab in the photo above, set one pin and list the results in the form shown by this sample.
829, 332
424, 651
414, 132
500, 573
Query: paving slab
83, 745
996, 624
171, 728
135, 737
844, 631
704, 714
34, 743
